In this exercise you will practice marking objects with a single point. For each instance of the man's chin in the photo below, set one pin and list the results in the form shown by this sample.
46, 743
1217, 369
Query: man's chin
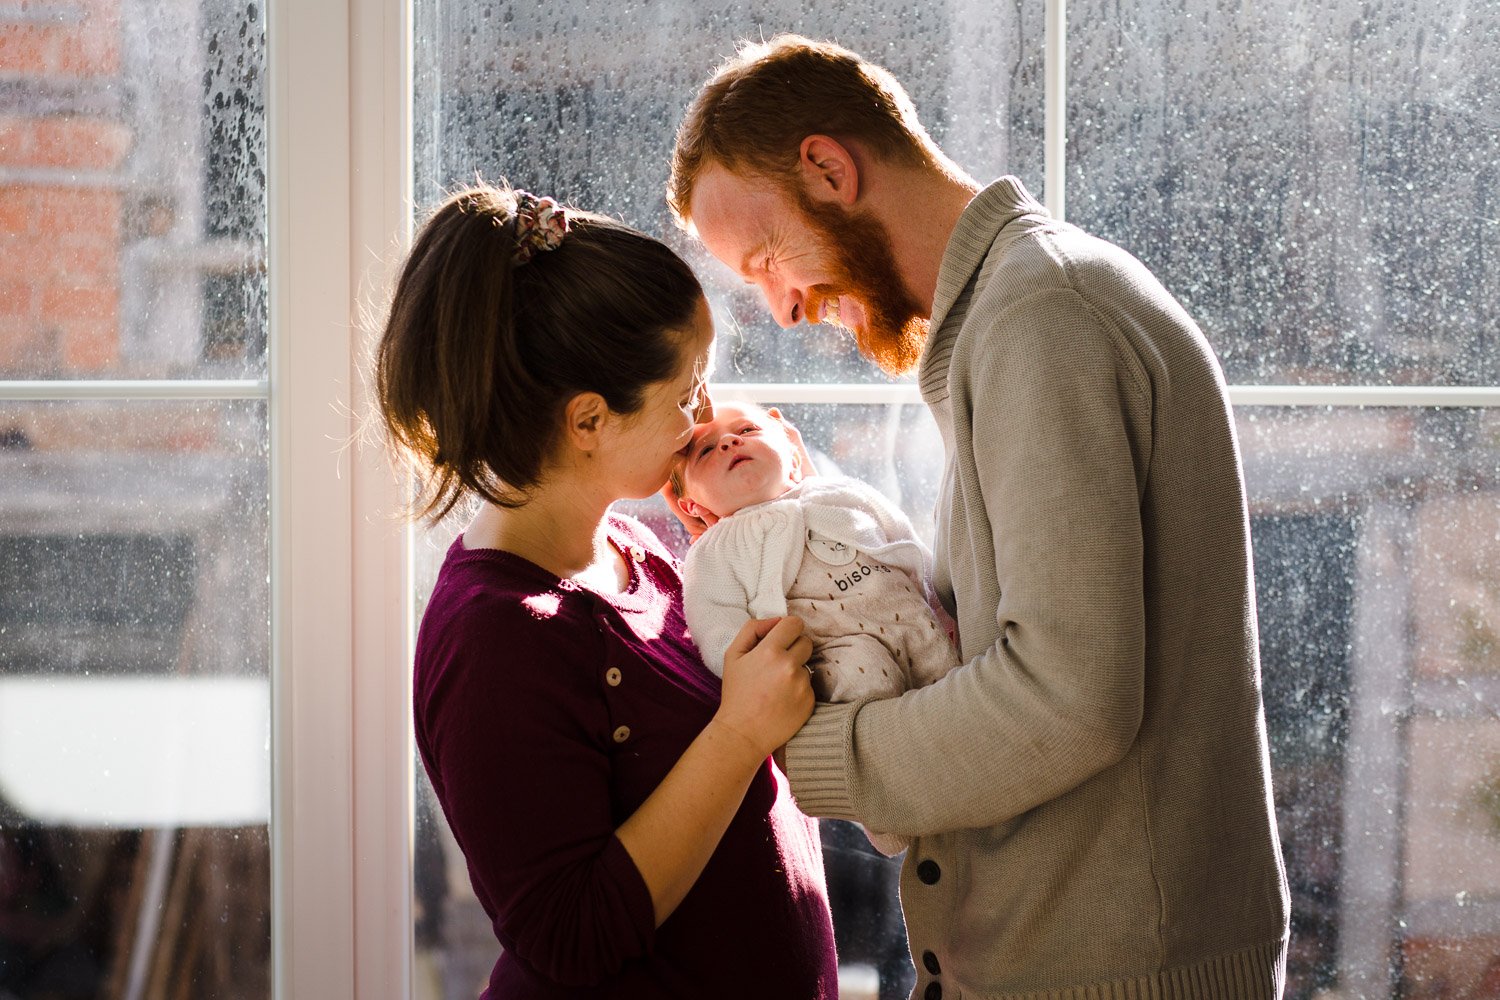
895, 352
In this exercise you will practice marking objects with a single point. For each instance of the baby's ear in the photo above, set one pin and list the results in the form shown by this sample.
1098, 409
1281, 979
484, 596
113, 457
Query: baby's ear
690, 507
796, 466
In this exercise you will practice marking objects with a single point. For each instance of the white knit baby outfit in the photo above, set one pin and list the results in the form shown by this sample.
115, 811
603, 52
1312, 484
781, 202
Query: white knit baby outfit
840, 556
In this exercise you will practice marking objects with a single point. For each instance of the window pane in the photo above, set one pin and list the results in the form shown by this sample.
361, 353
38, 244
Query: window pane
1316, 182
132, 191
582, 103
134, 700
1378, 581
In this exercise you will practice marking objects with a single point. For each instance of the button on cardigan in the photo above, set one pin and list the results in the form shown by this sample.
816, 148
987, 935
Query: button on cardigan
545, 715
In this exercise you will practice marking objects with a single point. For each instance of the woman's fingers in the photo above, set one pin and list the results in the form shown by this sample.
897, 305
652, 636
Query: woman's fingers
767, 693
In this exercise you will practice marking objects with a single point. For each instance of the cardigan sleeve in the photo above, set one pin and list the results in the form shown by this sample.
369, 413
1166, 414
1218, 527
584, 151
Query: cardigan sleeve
1054, 414
518, 741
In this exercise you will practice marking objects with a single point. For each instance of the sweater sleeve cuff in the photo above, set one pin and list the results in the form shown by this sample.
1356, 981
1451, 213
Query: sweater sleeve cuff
817, 762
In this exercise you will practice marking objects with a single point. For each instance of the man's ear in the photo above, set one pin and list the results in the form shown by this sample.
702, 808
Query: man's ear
829, 170
583, 420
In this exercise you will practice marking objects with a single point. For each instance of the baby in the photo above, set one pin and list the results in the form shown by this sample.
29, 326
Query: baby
832, 551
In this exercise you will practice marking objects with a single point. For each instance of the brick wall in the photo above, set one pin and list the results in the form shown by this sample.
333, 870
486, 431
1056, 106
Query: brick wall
60, 195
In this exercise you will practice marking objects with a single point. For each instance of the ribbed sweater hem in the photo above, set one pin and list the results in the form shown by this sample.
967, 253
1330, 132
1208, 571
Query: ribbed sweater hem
1256, 973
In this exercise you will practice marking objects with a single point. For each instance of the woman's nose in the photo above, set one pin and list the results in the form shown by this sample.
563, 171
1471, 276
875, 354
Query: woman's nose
705, 411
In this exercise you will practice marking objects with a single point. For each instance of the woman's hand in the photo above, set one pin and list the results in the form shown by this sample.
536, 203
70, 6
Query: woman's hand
767, 693
767, 696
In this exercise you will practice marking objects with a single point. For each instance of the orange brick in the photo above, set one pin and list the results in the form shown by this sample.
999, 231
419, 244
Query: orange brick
25, 345
17, 140
72, 302
92, 52
82, 143
66, 210
15, 297
22, 258
86, 262
90, 346
13, 340
28, 49
15, 210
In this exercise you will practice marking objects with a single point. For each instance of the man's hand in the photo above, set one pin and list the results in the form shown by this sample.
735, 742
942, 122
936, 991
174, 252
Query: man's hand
795, 436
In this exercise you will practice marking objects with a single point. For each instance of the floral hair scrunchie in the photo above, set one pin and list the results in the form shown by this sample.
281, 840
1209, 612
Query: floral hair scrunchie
541, 224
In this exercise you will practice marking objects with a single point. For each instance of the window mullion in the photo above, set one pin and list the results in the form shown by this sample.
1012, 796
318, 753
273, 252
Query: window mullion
311, 342
1055, 138
381, 579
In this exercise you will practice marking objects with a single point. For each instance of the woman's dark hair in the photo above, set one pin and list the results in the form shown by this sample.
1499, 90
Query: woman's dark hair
480, 354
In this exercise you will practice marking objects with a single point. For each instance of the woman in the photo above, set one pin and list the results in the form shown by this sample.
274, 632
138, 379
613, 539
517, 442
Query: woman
624, 827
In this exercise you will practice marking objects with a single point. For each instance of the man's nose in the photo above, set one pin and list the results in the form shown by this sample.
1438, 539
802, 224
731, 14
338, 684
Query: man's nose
787, 306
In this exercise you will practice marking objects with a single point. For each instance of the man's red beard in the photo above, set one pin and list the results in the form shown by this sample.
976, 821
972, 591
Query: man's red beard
864, 269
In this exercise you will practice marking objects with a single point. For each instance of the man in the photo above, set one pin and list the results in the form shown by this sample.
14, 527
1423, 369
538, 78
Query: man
1089, 791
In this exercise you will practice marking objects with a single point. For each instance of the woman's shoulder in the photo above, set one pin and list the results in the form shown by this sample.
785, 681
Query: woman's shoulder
478, 582
491, 606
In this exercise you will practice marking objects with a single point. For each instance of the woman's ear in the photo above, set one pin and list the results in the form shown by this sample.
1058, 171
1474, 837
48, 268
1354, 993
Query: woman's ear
584, 418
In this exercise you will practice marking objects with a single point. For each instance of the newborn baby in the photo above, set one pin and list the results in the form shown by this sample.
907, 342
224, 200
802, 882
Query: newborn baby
832, 551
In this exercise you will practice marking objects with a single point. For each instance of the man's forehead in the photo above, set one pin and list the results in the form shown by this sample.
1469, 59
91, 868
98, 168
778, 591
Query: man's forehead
733, 213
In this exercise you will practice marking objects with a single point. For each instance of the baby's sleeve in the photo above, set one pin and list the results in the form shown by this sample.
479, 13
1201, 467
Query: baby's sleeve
715, 600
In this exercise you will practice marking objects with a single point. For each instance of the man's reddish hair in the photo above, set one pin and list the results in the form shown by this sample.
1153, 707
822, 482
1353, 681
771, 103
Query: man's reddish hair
753, 113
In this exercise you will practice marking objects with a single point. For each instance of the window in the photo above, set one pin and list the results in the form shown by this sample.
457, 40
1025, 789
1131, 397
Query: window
199, 204
134, 524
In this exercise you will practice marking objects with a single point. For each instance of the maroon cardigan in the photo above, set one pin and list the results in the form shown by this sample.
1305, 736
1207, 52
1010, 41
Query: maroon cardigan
545, 715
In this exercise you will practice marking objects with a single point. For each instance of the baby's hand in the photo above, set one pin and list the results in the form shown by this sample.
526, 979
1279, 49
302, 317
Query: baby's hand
767, 693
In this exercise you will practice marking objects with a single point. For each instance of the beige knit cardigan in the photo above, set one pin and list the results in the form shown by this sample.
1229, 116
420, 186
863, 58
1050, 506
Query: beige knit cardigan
1090, 791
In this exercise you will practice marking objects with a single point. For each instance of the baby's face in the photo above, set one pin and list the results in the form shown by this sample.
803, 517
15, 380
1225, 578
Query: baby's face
741, 457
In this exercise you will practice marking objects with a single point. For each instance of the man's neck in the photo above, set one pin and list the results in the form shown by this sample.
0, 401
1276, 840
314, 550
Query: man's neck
919, 239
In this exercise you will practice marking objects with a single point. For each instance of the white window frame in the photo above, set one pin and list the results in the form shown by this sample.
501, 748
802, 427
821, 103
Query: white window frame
339, 110
340, 204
